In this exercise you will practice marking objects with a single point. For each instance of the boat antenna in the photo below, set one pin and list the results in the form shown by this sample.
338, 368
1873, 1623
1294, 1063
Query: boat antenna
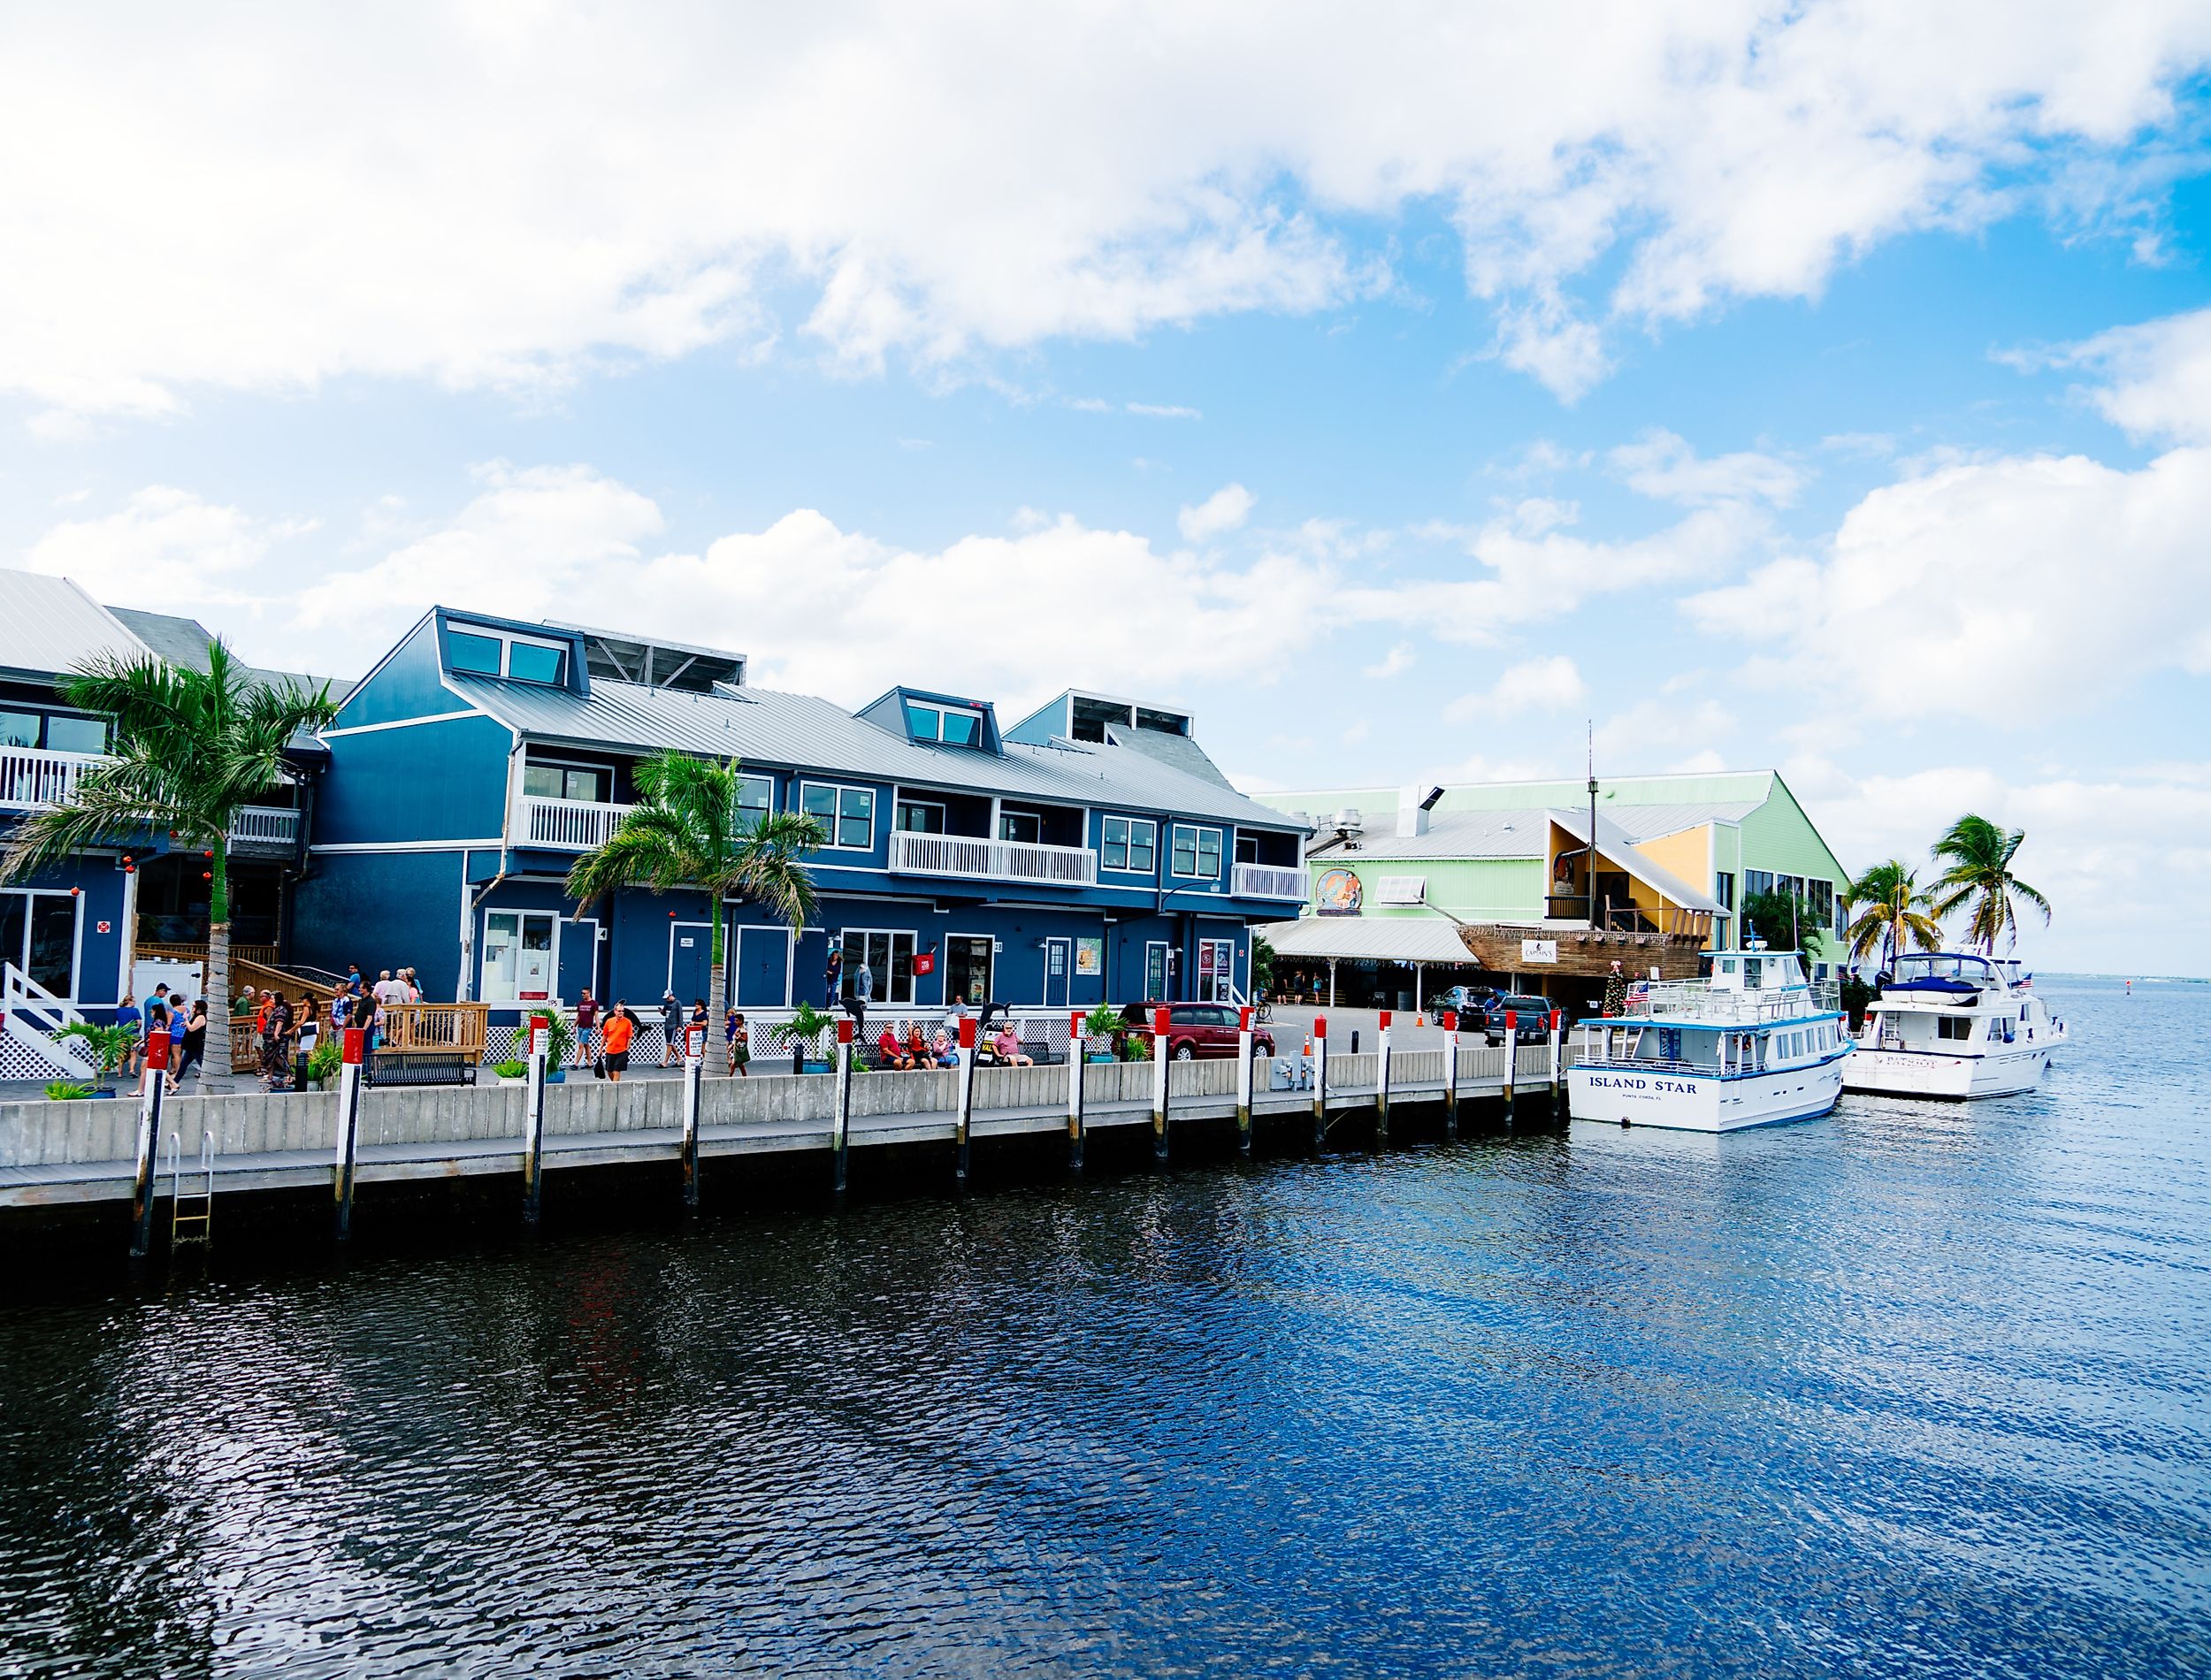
1592, 727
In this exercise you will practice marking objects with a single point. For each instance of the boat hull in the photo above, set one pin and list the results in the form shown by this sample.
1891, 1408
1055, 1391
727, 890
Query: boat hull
1909, 1073
1621, 1095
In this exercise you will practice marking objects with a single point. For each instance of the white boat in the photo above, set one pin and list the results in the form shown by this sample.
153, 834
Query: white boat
1755, 1043
1956, 1025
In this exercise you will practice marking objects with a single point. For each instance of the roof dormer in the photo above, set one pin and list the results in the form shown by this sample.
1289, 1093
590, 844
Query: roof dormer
928, 719
470, 645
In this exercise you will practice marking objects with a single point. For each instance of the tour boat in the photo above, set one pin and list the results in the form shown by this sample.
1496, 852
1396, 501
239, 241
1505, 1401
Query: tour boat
1957, 1025
1754, 1043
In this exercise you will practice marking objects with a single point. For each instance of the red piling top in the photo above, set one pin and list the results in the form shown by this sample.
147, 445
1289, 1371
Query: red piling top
1320, 1026
1244, 1019
1511, 1019
157, 1049
356, 1039
1158, 1022
966, 1032
845, 1030
1451, 1020
1384, 1020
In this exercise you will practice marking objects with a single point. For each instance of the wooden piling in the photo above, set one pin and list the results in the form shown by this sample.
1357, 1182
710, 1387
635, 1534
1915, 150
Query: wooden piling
1557, 1028
1451, 1076
149, 1094
354, 1045
694, 1080
1076, 1050
1319, 1083
1243, 1079
1382, 1088
1511, 1061
533, 1124
964, 1080
841, 1127
1159, 1087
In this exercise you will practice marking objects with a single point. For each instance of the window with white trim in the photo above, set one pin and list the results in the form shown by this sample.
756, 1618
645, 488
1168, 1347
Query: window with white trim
755, 800
952, 725
584, 783
1195, 855
1401, 889
477, 650
846, 814
1024, 826
1129, 845
919, 816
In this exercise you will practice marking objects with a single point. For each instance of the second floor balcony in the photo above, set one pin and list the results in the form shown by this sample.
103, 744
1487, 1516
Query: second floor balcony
978, 859
564, 825
34, 779
1264, 881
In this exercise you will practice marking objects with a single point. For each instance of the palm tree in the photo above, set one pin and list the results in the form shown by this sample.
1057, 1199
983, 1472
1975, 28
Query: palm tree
1979, 877
191, 747
1892, 907
687, 833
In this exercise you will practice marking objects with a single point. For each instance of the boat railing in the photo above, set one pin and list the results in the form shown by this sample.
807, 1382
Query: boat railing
1648, 1064
1699, 1000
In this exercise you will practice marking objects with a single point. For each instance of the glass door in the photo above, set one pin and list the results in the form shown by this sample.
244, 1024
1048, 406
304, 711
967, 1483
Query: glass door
1155, 971
967, 969
1216, 966
518, 956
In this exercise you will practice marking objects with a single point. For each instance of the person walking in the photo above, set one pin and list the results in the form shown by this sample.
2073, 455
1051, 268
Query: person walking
586, 1020
194, 1051
128, 1014
672, 1028
276, 1043
740, 1046
863, 994
615, 1035
835, 973
698, 1023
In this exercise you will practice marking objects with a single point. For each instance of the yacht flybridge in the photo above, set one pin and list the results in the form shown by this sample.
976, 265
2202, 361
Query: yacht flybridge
1755, 1043
1955, 1023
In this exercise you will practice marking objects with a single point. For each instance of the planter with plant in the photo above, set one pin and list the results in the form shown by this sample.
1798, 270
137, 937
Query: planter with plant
107, 1048
322, 1064
808, 1024
560, 1041
1134, 1049
511, 1072
1098, 1029
67, 1090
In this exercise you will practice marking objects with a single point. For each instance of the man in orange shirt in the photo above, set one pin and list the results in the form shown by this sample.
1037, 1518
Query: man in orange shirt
614, 1039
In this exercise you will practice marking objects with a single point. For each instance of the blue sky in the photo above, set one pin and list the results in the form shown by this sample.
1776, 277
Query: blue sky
1822, 387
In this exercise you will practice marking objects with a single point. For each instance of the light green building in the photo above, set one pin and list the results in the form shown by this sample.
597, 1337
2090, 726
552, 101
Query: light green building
1667, 846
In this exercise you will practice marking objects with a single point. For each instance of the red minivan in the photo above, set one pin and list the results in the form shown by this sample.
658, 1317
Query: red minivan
1197, 1031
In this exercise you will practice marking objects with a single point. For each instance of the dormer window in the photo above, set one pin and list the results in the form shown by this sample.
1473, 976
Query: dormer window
953, 726
481, 650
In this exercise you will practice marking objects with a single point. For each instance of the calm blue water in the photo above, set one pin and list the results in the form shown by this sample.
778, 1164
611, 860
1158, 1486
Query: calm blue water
1910, 1390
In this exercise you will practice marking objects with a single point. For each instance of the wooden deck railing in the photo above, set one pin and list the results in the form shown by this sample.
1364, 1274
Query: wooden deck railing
446, 1029
158, 951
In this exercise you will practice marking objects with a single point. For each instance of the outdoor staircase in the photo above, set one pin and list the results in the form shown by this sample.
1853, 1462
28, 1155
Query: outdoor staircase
29, 1016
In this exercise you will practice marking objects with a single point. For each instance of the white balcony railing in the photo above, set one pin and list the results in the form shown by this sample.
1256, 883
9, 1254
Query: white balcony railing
1264, 880
32, 778
952, 854
573, 825
265, 825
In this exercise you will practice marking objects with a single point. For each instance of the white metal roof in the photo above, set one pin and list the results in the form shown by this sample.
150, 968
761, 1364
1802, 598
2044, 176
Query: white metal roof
1396, 939
48, 626
800, 731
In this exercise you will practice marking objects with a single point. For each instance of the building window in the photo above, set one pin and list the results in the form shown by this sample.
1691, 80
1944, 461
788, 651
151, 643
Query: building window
846, 814
1755, 881
38, 934
483, 652
1822, 894
888, 955
1197, 854
1024, 826
1130, 844
55, 732
565, 782
919, 816
950, 725
755, 798
1724, 889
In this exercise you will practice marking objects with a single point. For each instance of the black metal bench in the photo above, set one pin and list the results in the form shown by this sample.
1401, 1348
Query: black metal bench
421, 1067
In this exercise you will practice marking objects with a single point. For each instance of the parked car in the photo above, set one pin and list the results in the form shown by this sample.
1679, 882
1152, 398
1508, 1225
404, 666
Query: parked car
1467, 1000
1531, 1022
1197, 1032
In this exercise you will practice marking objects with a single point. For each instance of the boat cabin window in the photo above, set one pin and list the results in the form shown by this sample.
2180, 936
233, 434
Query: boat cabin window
1954, 1026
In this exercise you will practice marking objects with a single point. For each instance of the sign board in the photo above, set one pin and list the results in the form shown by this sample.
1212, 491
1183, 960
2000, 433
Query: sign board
685, 943
1337, 893
1089, 956
1539, 950
102, 926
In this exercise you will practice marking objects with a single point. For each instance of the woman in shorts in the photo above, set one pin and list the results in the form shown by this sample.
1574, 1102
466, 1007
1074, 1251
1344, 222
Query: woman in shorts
740, 1046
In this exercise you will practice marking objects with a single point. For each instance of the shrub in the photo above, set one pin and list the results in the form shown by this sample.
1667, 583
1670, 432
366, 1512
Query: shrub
511, 1069
64, 1090
322, 1060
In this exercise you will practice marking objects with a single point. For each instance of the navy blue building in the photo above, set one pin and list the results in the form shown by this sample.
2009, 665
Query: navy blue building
1089, 852
69, 934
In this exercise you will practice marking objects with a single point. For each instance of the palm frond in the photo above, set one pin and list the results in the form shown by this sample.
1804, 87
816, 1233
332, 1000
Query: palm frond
651, 847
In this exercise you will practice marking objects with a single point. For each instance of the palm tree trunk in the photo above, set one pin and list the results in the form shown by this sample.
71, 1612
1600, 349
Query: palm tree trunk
717, 988
215, 1068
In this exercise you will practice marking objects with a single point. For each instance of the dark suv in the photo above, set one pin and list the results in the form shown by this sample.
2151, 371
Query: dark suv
1197, 1032
1531, 1018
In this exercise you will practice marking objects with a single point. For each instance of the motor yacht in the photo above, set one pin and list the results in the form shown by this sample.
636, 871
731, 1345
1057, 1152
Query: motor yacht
1752, 1043
1955, 1023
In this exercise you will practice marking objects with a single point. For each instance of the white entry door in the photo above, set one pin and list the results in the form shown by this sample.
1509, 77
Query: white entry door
518, 952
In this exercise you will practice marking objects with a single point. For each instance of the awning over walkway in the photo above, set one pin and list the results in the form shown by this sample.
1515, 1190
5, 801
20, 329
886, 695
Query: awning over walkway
1392, 939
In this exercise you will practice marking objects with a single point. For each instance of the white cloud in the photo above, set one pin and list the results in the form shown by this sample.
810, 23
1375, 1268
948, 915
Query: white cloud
2156, 378
1662, 466
2091, 841
232, 198
1655, 737
1399, 659
2077, 577
1533, 686
1223, 511
166, 551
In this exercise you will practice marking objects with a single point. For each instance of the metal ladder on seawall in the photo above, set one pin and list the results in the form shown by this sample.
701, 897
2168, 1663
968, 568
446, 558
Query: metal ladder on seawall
198, 1224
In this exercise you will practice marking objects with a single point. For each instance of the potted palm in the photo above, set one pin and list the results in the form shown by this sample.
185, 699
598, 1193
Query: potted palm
107, 1046
1098, 1027
807, 1024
